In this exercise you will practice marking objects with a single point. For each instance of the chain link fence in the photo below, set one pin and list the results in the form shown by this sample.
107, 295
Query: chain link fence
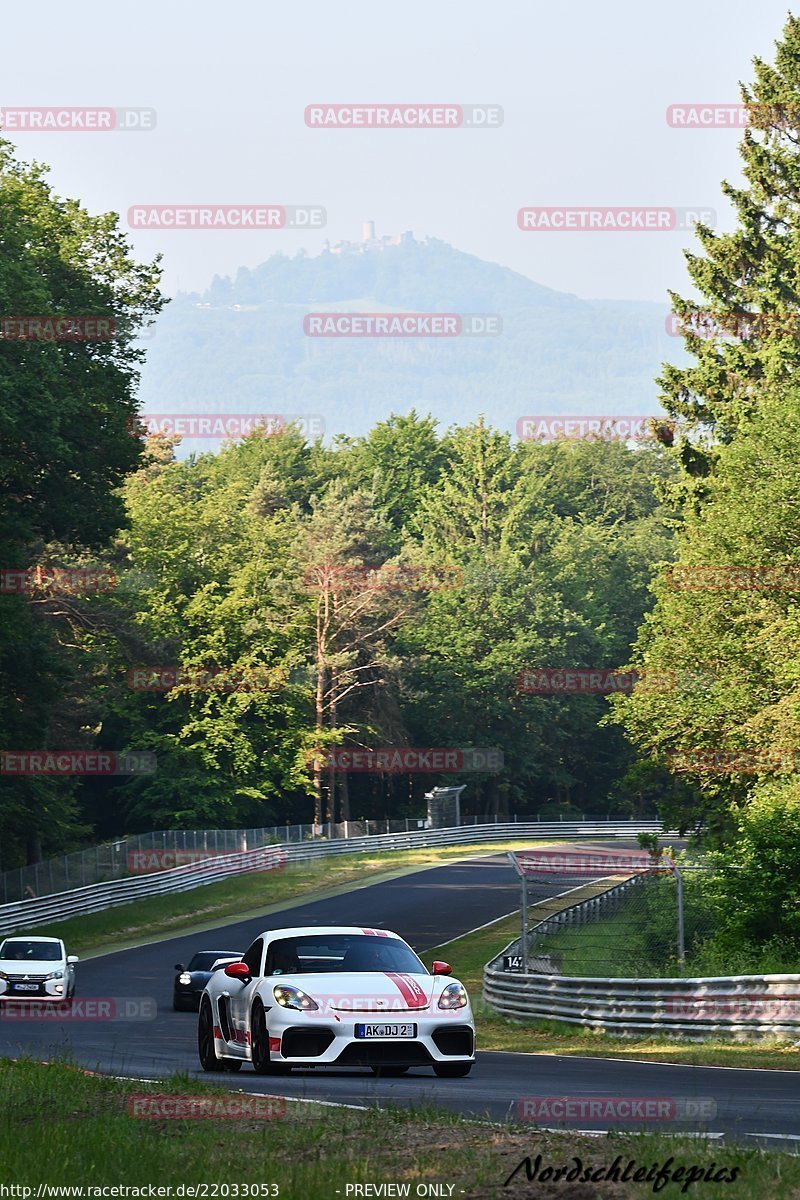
634, 933
166, 848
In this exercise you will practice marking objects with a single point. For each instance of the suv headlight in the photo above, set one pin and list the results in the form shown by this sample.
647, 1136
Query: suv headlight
293, 997
453, 996
55, 974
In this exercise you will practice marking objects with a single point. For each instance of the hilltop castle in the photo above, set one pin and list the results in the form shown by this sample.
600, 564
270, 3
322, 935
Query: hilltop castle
369, 242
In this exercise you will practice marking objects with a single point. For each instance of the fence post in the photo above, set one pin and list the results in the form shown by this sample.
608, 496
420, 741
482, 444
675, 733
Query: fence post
681, 933
524, 885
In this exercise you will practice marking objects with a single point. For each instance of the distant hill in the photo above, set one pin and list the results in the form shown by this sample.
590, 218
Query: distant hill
240, 346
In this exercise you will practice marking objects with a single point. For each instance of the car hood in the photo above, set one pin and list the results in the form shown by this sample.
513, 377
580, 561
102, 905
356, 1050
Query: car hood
31, 966
383, 992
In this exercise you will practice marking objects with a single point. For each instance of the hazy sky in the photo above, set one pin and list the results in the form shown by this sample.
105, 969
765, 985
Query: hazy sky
584, 89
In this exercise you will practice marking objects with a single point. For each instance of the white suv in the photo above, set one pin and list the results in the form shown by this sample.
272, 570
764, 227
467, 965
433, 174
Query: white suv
36, 968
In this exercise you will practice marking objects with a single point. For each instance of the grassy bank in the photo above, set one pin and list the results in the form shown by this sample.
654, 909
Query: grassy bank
469, 954
247, 895
61, 1126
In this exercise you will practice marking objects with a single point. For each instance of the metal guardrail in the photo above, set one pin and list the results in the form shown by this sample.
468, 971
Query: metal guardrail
745, 1007
35, 912
117, 859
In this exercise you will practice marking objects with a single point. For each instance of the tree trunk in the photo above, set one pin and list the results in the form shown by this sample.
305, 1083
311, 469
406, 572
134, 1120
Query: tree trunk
319, 719
331, 813
33, 849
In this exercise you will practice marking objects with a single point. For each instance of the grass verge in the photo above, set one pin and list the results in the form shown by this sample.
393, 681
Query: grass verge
245, 896
470, 953
61, 1126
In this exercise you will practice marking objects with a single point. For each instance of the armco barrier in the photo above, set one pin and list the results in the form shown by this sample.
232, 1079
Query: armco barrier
28, 914
744, 1007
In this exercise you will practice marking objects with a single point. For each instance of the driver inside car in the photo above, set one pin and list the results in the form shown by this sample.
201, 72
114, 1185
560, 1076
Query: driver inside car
283, 959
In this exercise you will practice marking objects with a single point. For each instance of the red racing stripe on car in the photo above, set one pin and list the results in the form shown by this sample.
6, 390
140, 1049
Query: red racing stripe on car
410, 990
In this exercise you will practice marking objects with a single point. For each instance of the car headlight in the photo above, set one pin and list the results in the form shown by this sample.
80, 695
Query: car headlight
453, 996
3, 975
293, 997
185, 977
55, 975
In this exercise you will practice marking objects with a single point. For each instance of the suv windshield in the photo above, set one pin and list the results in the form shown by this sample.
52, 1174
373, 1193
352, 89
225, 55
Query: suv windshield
341, 952
24, 950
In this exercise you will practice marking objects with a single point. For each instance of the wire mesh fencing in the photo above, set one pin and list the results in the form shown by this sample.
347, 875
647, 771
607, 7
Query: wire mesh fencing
635, 930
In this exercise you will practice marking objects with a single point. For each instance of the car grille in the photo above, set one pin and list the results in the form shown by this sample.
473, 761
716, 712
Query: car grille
305, 1043
26, 978
455, 1039
385, 1054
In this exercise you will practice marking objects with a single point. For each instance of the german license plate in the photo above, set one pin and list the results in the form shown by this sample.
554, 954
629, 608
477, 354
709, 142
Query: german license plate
386, 1031
25, 987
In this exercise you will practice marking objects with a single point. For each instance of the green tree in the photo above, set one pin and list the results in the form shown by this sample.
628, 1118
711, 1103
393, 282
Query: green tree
66, 407
742, 331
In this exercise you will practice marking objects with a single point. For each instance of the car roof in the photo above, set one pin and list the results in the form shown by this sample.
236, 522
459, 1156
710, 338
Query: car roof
305, 930
32, 937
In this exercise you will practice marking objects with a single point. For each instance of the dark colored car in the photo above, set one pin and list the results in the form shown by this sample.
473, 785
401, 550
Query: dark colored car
191, 980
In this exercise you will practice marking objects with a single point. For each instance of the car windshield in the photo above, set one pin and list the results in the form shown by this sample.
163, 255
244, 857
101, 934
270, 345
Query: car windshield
204, 960
340, 952
25, 950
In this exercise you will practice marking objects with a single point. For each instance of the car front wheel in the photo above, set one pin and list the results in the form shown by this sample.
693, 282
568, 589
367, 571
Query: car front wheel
259, 1044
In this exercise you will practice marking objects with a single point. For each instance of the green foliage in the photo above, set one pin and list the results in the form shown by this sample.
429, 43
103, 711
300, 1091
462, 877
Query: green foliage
756, 887
742, 332
731, 649
65, 408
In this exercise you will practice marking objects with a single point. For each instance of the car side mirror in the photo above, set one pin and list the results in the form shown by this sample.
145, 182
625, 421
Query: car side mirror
72, 958
442, 968
238, 970
178, 966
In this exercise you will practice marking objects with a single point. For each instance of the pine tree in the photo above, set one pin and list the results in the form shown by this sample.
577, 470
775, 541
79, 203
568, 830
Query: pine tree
743, 334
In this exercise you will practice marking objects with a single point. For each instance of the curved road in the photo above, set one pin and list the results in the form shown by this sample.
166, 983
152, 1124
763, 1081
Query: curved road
427, 908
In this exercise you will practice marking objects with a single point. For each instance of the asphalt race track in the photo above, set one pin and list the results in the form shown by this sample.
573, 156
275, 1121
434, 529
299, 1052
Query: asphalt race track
427, 908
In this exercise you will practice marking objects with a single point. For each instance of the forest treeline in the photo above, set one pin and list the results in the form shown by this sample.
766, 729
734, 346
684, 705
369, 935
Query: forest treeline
284, 602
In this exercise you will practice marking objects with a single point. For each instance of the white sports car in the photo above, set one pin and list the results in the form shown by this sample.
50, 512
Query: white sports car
335, 996
36, 968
